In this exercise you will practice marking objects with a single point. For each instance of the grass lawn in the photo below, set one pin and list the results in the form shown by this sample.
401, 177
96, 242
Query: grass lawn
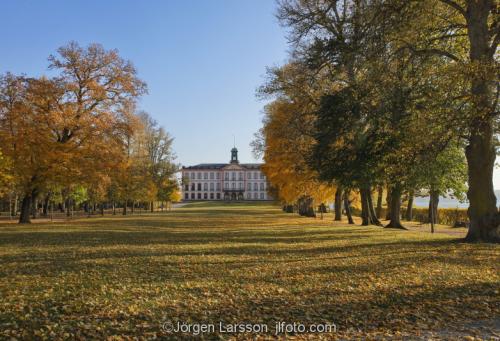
123, 277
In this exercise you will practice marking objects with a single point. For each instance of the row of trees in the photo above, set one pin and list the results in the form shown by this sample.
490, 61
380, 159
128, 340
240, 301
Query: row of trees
77, 136
400, 95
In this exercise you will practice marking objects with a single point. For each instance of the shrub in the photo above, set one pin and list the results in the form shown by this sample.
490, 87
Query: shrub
446, 216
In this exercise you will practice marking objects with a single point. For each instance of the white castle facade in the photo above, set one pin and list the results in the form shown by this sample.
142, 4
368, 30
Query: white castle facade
224, 181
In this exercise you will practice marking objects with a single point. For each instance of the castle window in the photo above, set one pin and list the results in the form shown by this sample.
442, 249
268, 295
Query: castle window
211, 175
205, 196
211, 195
249, 186
199, 188
211, 187
218, 186
186, 196
205, 187
192, 195
205, 175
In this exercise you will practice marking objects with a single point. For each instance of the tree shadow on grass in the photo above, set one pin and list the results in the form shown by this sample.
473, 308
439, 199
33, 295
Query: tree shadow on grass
50, 253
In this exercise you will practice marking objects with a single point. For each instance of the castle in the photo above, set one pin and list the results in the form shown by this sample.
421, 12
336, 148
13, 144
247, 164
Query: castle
225, 181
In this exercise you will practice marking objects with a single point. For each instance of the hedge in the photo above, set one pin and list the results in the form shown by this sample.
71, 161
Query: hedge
446, 216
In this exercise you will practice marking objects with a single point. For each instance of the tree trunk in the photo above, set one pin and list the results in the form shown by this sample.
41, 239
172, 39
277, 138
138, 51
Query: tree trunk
371, 210
480, 152
365, 212
24, 217
409, 207
34, 206
114, 208
379, 202
432, 216
368, 215
46, 203
16, 200
10, 206
388, 204
347, 208
338, 204
482, 212
395, 208
124, 212
86, 208
433, 207
68, 207
306, 208
152, 207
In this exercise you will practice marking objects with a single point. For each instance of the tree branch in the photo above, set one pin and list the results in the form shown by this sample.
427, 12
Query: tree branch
456, 6
433, 51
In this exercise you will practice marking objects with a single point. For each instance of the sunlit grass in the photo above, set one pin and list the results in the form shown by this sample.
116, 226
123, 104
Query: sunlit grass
124, 276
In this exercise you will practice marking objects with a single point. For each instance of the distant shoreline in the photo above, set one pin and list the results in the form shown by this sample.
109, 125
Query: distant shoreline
446, 202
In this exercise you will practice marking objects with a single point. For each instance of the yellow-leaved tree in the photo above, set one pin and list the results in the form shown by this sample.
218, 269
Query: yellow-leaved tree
68, 128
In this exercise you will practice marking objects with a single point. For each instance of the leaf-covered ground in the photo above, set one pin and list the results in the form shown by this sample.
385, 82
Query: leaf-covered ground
123, 277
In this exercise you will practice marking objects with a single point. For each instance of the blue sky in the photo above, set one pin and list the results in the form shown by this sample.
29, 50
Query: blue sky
202, 59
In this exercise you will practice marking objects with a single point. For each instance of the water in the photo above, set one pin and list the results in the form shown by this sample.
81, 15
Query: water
446, 202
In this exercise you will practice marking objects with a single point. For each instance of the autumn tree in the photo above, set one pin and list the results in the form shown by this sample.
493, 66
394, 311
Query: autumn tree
328, 38
400, 80
466, 34
288, 122
65, 128
6, 179
159, 159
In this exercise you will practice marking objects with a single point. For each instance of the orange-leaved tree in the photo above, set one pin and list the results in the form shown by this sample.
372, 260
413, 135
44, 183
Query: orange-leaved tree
67, 128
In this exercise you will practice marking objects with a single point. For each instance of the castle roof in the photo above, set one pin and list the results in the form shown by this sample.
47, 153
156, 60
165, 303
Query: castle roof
222, 165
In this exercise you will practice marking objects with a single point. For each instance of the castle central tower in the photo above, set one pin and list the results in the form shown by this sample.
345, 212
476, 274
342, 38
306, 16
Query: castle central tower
234, 156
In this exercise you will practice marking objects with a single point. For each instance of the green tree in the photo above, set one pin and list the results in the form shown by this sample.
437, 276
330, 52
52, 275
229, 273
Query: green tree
464, 33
